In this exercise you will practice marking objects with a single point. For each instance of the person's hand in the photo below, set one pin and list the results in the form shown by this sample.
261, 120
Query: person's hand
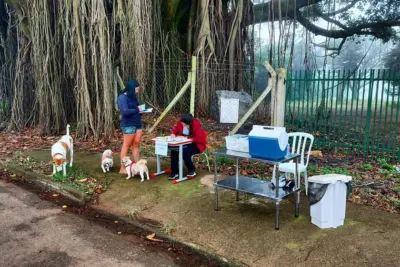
173, 136
140, 108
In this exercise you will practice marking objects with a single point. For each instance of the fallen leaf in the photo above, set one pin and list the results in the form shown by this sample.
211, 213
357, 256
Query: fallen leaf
55, 195
64, 207
151, 236
83, 180
119, 233
115, 221
244, 172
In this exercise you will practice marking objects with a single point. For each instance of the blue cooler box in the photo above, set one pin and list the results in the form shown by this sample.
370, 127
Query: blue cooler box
270, 143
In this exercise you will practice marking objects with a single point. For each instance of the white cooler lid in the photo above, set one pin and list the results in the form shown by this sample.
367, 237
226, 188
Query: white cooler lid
278, 133
329, 178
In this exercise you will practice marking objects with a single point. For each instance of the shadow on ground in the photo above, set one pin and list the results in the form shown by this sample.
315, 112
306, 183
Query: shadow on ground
244, 230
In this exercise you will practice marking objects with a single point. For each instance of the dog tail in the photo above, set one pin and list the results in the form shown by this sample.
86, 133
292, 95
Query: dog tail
68, 129
142, 161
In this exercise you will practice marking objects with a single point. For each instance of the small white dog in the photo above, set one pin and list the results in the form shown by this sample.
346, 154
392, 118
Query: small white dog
107, 161
59, 153
133, 168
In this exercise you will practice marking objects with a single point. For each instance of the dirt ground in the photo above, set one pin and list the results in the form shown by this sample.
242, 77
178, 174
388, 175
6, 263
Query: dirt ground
244, 231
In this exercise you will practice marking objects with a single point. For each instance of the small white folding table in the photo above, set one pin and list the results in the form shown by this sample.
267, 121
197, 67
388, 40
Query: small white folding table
173, 143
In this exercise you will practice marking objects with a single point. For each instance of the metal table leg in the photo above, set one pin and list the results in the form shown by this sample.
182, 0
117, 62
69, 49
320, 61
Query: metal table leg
159, 171
180, 162
277, 215
215, 184
237, 179
276, 180
297, 185
158, 164
181, 178
276, 173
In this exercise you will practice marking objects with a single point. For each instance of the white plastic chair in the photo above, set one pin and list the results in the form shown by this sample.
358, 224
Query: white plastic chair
300, 143
208, 163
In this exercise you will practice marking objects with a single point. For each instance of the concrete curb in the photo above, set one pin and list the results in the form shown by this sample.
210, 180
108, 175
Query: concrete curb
37, 179
81, 198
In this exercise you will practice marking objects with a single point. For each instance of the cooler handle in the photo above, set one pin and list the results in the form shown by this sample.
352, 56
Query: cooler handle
268, 128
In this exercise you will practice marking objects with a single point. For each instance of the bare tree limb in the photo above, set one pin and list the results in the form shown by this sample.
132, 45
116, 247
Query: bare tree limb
335, 49
270, 10
331, 20
370, 28
344, 9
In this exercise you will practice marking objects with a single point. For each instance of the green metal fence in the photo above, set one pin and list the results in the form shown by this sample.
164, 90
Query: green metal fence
356, 111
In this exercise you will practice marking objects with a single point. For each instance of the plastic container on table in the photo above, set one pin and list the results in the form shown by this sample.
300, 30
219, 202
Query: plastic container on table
327, 195
268, 142
237, 142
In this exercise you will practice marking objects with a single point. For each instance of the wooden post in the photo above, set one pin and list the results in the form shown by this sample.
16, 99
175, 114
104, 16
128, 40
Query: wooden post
271, 85
173, 102
193, 85
278, 99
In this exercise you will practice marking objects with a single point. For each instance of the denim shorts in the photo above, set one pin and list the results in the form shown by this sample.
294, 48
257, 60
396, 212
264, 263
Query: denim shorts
129, 130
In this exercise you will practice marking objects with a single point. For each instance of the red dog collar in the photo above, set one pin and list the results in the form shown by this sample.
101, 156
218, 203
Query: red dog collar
58, 154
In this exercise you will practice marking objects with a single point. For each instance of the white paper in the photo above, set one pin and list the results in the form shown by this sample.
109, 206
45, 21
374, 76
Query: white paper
149, 110
161, 148
229, 112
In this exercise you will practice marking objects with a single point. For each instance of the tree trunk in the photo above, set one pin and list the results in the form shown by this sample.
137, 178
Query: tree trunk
232, 44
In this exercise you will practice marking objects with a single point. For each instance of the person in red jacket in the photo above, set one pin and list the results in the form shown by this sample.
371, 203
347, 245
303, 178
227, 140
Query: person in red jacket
191, 128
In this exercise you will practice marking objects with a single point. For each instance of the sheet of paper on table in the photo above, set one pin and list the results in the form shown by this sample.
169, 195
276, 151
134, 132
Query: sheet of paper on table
161, 148
170, 139
149, 110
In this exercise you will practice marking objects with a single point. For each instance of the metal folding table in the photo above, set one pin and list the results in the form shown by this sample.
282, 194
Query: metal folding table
173, 145
257, 187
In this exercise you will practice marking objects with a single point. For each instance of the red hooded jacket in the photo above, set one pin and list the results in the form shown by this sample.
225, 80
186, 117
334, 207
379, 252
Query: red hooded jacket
198, 135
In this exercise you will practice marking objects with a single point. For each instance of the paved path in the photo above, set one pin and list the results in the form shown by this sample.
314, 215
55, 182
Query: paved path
37, 233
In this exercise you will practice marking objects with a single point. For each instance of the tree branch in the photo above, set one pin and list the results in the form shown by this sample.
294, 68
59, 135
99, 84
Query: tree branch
328, 19
370, 28
270, 11
344, 9
335, 49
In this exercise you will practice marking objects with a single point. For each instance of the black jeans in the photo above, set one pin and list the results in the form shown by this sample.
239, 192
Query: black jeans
188, 151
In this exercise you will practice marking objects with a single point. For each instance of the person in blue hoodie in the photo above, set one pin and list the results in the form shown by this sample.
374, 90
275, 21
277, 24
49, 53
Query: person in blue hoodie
131, 121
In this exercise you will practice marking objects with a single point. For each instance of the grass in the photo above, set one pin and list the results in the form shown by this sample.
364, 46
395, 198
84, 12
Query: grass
80, 179
338, 170
132, 213
169, 227
366, 167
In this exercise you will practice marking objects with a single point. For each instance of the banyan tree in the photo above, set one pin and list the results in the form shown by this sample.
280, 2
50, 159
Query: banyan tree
59, 58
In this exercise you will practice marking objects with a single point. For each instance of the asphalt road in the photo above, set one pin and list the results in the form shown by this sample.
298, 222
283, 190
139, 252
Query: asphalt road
38, 233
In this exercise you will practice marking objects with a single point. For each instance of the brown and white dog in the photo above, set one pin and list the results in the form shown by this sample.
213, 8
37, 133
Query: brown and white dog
59, 153
133, 168
107, 160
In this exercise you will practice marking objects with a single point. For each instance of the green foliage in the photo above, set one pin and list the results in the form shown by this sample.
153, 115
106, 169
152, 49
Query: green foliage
222, 160
169, 227
338, 170
366, 167
72, 172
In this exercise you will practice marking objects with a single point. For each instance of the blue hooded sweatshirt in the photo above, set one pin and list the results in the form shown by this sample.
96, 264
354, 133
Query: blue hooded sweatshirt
128, 106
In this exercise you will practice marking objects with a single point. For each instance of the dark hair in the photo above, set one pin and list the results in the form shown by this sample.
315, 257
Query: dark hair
130, 89
187, 119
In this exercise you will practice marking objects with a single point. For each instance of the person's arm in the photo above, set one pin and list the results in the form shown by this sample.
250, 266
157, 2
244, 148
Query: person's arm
177, 129
198, 134
123, 107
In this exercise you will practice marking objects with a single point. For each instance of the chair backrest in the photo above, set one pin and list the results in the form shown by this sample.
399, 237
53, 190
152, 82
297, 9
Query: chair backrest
299, 144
